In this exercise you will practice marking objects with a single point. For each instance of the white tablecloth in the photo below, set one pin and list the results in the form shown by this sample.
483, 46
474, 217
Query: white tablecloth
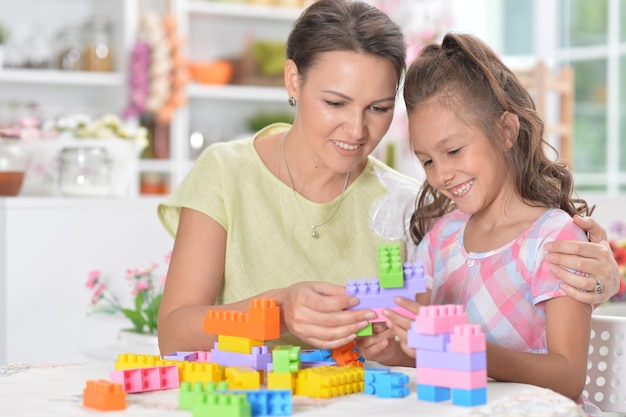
56, 390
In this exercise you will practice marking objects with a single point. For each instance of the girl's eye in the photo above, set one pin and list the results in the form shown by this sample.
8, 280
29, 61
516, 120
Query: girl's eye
427, 162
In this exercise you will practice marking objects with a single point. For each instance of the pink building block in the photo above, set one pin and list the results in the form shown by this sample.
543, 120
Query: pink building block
435, 319
451, 379
147, 379
203, 356
468, 338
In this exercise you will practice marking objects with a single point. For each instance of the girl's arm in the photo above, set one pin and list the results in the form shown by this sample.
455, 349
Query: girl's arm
563, 369
310, 310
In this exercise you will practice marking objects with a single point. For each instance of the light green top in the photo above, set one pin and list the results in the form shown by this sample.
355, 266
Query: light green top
269, 243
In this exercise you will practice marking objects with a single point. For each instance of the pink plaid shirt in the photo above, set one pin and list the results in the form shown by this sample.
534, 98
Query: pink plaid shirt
502, 289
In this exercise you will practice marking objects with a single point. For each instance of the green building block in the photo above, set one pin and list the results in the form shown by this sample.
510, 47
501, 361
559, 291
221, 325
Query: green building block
391, 274
222, 405
366, 331
285, 359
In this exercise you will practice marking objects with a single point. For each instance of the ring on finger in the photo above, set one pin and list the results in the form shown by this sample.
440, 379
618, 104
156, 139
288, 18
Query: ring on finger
599, 286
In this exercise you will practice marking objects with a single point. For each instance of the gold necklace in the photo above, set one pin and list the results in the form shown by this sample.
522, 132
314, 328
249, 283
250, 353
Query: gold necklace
314, 232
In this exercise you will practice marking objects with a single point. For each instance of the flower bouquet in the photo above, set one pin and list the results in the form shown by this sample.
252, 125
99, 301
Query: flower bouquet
146, 293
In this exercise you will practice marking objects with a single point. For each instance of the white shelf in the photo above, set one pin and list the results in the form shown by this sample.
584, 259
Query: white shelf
244, 11
237, 92
57, 77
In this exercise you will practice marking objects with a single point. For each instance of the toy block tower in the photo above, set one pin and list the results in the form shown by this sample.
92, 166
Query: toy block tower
242, 336
395, 279
450, 356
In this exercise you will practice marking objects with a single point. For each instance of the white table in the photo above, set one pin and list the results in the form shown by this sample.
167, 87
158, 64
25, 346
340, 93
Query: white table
56, 390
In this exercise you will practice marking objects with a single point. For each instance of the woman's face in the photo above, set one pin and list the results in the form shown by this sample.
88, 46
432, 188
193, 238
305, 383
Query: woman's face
345, 106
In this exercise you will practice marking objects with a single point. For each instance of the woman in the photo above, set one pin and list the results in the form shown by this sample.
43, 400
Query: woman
295, 211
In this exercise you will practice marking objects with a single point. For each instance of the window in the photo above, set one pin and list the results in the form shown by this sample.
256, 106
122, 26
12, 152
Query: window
589, 36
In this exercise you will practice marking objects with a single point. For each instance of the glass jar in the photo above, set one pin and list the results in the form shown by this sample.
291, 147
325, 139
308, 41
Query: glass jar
70, 48
98, 52
84, 172
13, 164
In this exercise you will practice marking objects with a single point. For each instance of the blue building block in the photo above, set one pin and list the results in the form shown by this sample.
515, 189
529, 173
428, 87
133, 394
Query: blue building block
317, 355
432, 393
469, 398
386, 384
268, 402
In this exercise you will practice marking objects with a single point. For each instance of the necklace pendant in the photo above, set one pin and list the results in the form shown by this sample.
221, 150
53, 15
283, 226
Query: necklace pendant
314, 233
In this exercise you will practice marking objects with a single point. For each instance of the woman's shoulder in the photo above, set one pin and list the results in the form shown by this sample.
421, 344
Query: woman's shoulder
391, 178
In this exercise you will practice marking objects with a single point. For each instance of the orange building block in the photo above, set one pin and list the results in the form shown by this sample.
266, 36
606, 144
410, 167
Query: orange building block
261, 322
346, 355
104, 395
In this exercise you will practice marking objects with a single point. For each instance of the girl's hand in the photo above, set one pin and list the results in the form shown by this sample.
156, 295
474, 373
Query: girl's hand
316, 313
388, 345
594, 258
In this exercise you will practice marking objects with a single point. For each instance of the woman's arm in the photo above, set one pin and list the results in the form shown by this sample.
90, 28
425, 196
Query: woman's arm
310, 310
594, 258
563, 369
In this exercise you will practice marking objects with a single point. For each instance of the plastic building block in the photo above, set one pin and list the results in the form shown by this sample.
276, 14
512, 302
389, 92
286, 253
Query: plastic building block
317, 355
306, 365
222, 405
190, 392
243, 377
371, 295
258, 359
104, 395
468, 338
469, 398
329, 381
432, 393
386, 384
261, 322
268, 402
281, 381
451, 360
286, 358
182, 356
452, 379
390, 266
347, 355
134, 361
147, 379
437, 319
366, 331
437, 342
380, 317
193, 372
237, 344
204, 356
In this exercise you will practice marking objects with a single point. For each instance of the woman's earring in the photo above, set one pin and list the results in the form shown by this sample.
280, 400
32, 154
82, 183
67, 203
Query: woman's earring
291, 101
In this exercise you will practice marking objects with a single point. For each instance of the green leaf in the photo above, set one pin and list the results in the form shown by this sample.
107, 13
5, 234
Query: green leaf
136, 318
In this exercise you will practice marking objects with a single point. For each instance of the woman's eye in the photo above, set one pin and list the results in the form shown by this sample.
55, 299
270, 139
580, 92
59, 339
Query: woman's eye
455, 151
379, 109
333, 103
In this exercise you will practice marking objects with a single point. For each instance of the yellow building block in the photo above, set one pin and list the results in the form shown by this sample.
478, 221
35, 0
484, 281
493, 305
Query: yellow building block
243, 377
134, 361
329, 381
237, 344
193, 372
282, 380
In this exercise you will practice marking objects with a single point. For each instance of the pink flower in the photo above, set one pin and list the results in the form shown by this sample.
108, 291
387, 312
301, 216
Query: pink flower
93, 279
168, 257
141, 286
97, 294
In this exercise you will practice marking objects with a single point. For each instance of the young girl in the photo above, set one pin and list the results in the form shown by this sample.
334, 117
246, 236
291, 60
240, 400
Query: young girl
492, 200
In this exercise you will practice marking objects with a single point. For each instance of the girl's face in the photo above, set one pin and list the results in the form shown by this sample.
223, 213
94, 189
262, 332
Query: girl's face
458, 159
345, 107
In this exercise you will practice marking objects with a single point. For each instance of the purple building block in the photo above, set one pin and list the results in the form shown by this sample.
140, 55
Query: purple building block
451, 360
182, 356
258, 359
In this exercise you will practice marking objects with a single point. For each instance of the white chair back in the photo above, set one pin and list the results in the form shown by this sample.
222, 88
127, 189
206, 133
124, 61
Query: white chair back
606, 369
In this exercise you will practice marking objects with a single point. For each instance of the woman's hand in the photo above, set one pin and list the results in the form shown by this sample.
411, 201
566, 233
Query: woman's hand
316, 313
594, 258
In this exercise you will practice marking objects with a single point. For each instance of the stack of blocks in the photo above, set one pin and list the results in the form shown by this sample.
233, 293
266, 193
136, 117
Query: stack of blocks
395, 279
450, 356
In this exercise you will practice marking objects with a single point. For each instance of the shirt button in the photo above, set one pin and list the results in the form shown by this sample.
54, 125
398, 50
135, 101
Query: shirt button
470, 263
